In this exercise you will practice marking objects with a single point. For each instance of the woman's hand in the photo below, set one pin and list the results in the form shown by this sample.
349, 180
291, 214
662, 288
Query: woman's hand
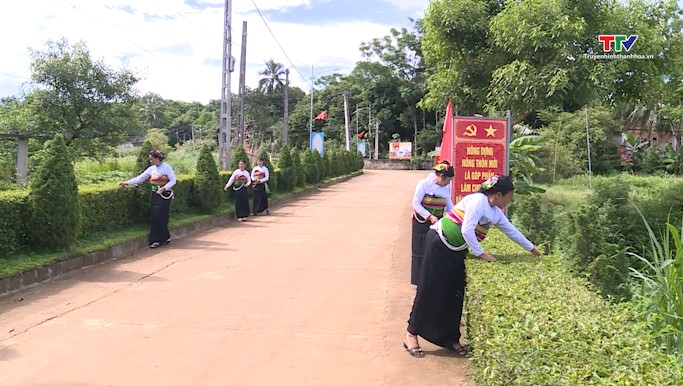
122, 184
225, 188
536, 252
432, 218
487, 256
161, 191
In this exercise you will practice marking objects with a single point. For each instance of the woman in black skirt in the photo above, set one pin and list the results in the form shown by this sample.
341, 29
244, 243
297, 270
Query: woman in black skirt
162, 179
259, 177
240, 180
432, 196
437, 308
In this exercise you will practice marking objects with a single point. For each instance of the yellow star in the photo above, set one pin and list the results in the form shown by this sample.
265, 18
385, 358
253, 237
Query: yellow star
490, 132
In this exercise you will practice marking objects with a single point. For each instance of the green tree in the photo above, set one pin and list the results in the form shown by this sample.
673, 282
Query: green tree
310, 166
151, 110
239, 154
272, 77
207, 183
401, 51
298, 167
287, 171
85, 100
53, 199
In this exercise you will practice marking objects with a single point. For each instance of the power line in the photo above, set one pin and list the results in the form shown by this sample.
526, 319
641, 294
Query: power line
278, 43
130, 41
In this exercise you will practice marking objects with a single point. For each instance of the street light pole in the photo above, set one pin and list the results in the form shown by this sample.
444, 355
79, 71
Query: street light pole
310, 125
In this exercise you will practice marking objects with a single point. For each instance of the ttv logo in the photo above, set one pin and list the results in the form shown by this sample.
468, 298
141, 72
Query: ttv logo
620, 41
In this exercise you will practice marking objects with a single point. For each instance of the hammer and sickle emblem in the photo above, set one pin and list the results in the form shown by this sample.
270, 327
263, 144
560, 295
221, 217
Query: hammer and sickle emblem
470, 130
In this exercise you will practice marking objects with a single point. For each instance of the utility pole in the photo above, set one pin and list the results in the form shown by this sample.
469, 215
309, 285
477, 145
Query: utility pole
242, 87
376, 138
346, 120
285, 129
225, 124
310, 125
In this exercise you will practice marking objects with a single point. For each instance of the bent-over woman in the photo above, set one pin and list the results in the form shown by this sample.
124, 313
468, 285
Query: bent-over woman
162, 179
259, 177
240, 180
437, 308
432, 196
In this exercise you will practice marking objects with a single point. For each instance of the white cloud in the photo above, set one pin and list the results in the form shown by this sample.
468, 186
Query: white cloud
169, 43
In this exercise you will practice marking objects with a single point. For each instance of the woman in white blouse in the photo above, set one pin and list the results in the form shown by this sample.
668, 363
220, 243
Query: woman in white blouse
239, 181
259, 177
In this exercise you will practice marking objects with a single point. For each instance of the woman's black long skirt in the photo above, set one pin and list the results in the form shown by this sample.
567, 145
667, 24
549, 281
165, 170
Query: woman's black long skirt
158, 219
438, 304
260, 199
419, 233
241, 202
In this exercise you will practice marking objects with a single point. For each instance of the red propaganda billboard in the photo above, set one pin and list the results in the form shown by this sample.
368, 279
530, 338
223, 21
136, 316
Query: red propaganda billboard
480, 151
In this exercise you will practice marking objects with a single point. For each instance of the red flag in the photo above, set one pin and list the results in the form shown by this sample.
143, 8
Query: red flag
447, 139
322, 116
361, 135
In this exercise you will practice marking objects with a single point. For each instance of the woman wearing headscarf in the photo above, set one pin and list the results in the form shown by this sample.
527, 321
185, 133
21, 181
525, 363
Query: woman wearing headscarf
438, 304
432, 196
162, 179
239, 181
259, 177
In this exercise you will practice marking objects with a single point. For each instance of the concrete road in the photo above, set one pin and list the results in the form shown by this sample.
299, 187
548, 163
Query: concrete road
317, 293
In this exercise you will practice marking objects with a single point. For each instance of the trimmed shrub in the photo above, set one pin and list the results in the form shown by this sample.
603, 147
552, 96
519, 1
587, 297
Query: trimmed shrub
319, 166
532, 323
53, 199
298, 167
310, 167
207, 183
326, 165
13, 225
287, 171
239, 154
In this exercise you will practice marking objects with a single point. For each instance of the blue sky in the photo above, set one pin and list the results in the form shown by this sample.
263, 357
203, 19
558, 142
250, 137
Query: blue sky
176, 45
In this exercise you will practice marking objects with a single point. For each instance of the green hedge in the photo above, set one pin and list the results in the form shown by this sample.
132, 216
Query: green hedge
14, 210
108, 207
531, 322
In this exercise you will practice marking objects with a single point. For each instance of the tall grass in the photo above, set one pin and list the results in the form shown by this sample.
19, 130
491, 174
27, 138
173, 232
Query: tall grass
661, 285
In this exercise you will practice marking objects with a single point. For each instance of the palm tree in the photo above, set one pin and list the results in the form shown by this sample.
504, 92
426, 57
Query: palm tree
272, 80
151, 110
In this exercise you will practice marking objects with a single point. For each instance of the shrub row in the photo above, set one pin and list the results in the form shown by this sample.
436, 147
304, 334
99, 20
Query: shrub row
596, 236
109, 207
531, 322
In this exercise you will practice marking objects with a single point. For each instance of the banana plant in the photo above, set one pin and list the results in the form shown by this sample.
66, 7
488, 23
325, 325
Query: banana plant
523, 163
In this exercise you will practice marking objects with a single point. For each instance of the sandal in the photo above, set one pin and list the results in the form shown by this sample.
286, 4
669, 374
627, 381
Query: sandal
461, 351
416, 351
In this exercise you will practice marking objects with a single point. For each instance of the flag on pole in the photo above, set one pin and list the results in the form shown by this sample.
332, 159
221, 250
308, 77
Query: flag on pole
447, 139
322, 116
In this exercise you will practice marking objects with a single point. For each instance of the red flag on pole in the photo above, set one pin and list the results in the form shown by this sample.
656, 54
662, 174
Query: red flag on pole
447, 139
322, 116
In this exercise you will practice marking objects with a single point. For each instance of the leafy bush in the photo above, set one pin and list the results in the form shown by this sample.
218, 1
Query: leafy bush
535, 219
532, 323
583, 240
240, 155
287, 171
207, 182
53, 199
13, 224
298, 167
310, 169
